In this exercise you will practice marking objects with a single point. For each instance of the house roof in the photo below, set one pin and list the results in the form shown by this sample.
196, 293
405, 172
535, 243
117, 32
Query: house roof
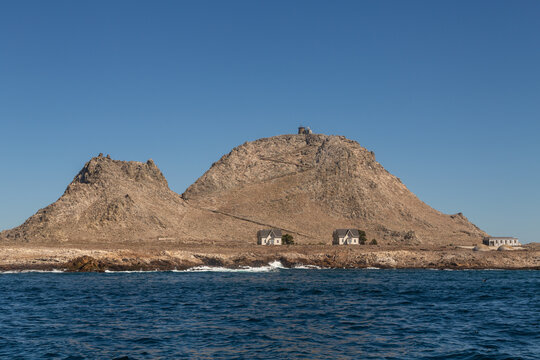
501, 238
343, 232
265, 232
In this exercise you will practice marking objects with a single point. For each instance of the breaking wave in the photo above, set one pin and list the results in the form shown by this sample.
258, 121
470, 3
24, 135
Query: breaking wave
307, 267
273, 266
132, 271
53, 271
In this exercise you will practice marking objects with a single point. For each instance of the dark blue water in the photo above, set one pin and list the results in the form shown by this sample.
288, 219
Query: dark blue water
310, 314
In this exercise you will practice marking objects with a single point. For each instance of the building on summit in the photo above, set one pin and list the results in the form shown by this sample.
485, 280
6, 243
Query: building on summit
269, 237
303, 130
498, 241
346, 237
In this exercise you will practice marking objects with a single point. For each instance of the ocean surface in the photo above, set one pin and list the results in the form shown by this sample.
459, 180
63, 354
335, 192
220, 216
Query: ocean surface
271, 313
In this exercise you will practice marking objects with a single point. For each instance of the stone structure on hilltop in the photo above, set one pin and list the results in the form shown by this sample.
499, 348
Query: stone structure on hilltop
302, 130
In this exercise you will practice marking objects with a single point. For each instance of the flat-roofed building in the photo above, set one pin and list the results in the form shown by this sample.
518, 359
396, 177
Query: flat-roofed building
498, 241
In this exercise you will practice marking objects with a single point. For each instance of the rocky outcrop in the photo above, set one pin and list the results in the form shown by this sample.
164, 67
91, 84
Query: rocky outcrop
308, 185
481, 247
107, 200
85, 260
312, 184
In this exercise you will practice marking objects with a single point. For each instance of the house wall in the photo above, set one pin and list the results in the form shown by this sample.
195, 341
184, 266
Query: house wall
274, 241
269, 241
347, 241
499, 242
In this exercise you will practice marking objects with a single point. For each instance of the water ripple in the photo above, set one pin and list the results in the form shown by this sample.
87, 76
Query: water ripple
272, 313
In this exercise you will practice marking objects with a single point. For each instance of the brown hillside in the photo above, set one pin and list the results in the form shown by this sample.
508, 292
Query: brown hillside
307, 185
107, 200
115, 202
312, 184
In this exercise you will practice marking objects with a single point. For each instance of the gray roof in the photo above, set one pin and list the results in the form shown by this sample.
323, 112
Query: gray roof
343, 232
264, 233
501, 238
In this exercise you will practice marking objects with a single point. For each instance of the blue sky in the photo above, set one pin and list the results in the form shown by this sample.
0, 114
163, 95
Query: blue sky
447, 93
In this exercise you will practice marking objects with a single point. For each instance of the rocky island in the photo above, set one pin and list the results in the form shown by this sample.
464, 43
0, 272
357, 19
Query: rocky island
121, 215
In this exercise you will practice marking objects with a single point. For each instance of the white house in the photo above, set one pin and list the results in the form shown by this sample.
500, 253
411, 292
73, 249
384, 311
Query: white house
346, 237
269, 237
498, 241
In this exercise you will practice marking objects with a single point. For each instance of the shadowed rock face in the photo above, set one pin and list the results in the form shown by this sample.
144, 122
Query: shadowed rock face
307, 185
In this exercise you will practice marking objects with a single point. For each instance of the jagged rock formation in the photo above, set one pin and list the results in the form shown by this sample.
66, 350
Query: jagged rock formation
108, 199
307, 185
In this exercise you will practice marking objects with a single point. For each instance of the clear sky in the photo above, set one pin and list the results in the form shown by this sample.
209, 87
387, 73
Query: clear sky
447, 93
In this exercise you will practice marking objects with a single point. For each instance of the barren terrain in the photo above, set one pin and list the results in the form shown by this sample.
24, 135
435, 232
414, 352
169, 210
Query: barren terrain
307, 185
102, 257
122, 215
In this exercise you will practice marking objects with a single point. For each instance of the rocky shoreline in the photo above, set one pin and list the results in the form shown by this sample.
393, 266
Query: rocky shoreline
94, 260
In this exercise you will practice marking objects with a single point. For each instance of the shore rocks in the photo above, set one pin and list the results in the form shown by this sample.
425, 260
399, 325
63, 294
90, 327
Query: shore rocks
84, 263
93, 260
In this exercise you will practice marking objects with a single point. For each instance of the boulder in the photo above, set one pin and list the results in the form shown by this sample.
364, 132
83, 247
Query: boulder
481, 247
84, 263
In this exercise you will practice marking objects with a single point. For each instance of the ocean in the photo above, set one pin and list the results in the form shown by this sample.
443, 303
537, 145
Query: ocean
271, 313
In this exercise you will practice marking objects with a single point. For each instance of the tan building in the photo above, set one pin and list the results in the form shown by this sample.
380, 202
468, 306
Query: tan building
346, 237
269, 237
498, 241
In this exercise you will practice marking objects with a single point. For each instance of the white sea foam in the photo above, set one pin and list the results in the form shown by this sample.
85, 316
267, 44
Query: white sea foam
53, 271
131, 271
446, 269
273, 266
307, 267
372, 268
